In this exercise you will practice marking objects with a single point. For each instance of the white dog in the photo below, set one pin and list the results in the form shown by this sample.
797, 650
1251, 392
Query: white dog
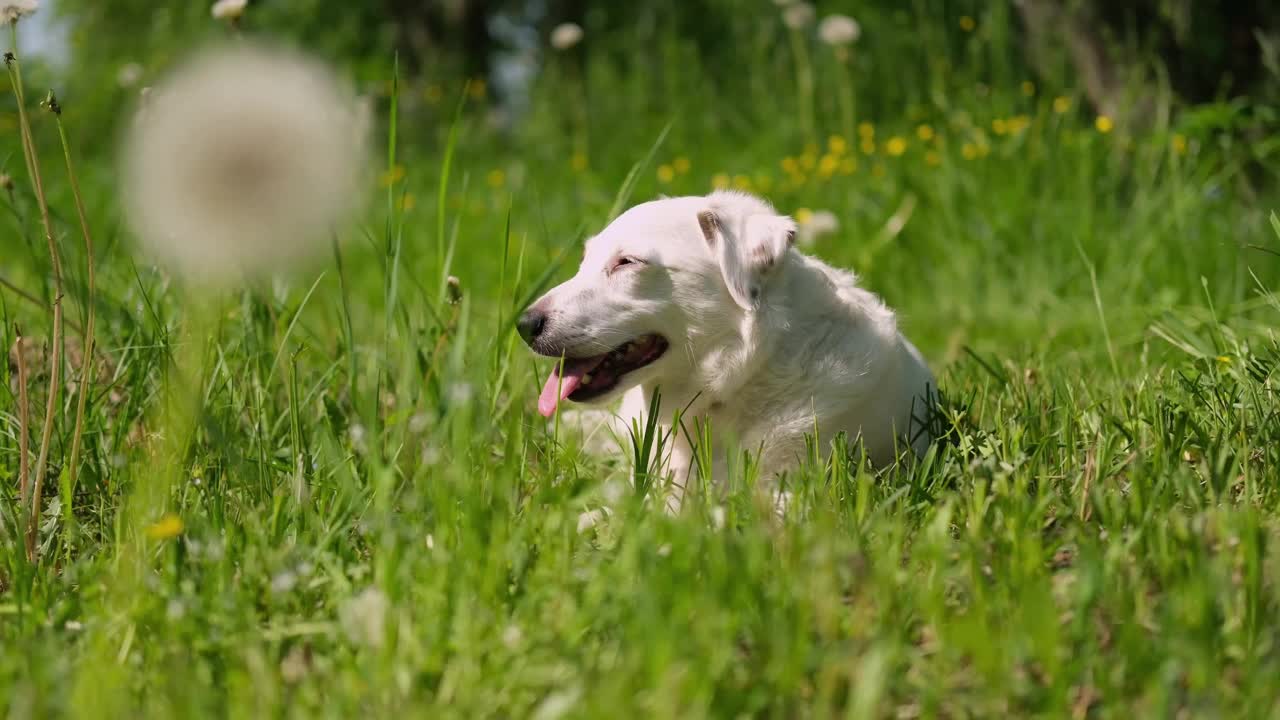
706, 300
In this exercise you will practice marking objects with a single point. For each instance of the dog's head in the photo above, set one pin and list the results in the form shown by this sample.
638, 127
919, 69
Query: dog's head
659, 291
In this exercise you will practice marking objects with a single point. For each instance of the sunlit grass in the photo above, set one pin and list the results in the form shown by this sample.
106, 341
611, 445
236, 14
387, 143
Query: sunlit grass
367, 515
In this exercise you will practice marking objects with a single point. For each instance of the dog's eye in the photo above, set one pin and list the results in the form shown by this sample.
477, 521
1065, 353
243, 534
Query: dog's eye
621, 262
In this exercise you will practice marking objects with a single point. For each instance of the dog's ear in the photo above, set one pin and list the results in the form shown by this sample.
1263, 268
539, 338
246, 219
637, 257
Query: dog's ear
747, 249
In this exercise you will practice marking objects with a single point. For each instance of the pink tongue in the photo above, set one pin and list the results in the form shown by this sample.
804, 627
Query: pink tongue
559, 386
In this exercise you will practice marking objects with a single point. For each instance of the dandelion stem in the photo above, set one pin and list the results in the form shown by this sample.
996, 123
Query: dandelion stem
87, 364
24, 422
844, 61
804, 84
55, 356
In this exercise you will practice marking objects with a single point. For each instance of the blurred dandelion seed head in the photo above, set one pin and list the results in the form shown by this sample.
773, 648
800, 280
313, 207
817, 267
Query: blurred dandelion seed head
798, 16
246, 160
566, 35
128, 75
839, 30
364, 618
813, 224
229, 9
11, 11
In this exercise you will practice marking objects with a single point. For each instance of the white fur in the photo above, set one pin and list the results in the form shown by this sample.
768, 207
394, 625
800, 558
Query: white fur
767, 344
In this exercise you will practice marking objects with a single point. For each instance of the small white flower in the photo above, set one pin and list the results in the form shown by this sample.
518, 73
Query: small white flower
419, 422
245, 161
431, 455
11, 11
815, 225
283, 582
364, 618
512, 636
431, 542
717, 517
128, 75
566, 35
359, 437
664, 550
798, 16
558, 704
460, 393
73, 626
295, 665
591, 518
175, 609
839, 30
229, 9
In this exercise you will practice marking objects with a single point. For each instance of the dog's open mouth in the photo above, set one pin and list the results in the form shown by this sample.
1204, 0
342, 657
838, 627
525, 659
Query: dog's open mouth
586, 378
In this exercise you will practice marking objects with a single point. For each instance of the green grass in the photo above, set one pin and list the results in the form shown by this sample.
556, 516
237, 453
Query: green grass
373, 519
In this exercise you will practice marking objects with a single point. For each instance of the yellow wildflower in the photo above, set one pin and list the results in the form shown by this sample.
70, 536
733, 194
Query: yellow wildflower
1224, 359
924, 132
666, 174
168, 527
896, 146
967, 23
837, 145
1104, 124
999, 127
1028, 88
803, 216
1179, 143
742, 182
848, 166
866, 130
828, 165
868, 146
496, 178
1061, 104
932, 158
681, 165
392, 176
808, 161
720, 181
790, 165
969, 151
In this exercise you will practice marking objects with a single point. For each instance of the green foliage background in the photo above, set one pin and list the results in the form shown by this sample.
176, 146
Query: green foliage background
362, 514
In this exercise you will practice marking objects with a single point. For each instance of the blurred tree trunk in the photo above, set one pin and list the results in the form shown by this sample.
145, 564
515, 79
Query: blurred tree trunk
435, 28
1210, 48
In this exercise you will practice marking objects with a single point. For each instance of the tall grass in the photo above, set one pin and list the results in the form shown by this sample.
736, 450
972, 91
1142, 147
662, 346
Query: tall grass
330, 495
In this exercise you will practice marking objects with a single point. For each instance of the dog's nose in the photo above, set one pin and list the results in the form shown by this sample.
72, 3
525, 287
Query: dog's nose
531, 324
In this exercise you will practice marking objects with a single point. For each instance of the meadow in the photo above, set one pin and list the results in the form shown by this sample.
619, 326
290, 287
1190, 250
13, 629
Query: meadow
328, 493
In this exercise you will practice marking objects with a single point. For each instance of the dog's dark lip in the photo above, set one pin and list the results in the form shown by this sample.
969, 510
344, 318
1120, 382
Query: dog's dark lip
617, 363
